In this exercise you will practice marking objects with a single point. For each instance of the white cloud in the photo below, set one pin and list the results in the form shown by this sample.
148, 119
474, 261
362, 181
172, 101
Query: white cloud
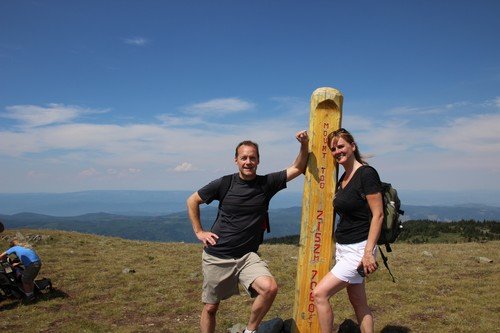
460, 154
219, 106
35, 116
140, 153
356, 123
32, 174
497, 102
137, 41
203, 114
429, 110
471, 135
90, 172
112, 145
109, 149
174, 121
112, 171
292, 106
467, 128
377, 137
123, 173
183, 167
455, 105
133, 171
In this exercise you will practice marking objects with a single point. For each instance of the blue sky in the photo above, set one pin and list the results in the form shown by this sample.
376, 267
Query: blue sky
154, 95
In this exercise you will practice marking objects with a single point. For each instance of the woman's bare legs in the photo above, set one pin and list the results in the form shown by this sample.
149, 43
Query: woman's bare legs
326, 288
357, 297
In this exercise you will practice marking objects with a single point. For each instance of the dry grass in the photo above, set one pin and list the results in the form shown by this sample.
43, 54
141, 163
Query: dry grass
448, 292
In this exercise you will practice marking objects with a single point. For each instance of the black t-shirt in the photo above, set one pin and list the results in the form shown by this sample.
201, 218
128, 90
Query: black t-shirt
240, 224
351, 205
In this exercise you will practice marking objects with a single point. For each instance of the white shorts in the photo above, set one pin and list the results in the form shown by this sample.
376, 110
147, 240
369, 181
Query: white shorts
347, 260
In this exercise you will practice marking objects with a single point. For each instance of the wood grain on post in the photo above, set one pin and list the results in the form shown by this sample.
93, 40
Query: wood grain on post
316, 234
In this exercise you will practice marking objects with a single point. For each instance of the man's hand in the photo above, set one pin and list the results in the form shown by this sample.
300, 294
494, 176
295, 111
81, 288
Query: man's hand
302, 137
207, 238
299, 165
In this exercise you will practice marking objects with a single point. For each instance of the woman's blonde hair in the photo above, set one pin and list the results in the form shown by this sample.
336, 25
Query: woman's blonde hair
334, 136
15, 241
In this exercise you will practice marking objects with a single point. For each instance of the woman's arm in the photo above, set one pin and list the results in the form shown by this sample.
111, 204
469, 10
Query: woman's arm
376, 207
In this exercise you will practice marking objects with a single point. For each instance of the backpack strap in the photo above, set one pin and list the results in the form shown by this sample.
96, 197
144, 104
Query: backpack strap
266, 223
384, 258
224, 187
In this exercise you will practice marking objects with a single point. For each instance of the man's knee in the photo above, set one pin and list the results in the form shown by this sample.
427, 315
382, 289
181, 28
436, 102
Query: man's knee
266, 286
211, 309
273, 288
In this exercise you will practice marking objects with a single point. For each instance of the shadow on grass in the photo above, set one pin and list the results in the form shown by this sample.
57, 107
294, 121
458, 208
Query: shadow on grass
52, 294
9, 306
47, 296
349, 326
395, 329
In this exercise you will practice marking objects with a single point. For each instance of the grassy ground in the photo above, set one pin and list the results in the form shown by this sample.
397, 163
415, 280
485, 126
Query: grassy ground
446, 292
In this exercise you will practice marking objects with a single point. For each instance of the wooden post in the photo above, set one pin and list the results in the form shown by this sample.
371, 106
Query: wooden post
316, 234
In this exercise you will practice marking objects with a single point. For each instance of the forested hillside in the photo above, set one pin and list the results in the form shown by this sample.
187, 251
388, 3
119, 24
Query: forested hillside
426, 231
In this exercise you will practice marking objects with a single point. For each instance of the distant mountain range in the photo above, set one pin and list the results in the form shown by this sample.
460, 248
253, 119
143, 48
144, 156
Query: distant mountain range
161, 215
150, 203
156, 203
176, 226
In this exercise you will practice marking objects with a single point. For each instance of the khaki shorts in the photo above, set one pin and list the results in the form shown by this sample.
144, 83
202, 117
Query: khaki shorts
221, 276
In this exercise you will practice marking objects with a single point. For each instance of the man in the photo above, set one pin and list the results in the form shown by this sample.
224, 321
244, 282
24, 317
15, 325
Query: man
230, 248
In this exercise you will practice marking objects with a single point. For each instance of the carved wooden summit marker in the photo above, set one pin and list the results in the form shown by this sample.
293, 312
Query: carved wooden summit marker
316, 234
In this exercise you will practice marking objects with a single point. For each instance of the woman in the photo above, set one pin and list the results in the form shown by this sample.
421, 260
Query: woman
358, 201
31, 262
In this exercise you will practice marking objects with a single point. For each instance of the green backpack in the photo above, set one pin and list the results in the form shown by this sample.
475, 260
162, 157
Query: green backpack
391, 225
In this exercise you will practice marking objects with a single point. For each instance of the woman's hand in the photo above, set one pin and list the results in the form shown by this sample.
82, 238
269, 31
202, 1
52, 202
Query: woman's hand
370, 265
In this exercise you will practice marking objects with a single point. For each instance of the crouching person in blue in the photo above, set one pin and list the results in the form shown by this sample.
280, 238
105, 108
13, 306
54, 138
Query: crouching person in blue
230, 247
31, 262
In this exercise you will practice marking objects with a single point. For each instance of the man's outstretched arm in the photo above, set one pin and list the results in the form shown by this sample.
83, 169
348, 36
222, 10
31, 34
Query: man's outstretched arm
300, 163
